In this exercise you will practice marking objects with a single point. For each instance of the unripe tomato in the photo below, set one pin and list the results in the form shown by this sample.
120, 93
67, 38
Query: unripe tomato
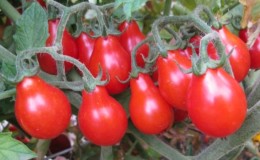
69, 48
41, 109
102, 119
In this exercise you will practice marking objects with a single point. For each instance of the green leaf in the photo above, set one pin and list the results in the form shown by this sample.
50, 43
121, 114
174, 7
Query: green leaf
129, 6
32, 28
11, 149
157, 144
8, 70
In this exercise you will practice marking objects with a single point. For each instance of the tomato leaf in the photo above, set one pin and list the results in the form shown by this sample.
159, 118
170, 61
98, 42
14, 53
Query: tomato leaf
156, 144
32, 28
129, 6
11, 149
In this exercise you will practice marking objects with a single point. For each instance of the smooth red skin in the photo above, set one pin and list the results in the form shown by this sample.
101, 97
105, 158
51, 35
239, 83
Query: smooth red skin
216, 103
114, 60
149, 112
254, 50
195, 41
240, 57
85, 47
180, 115
102, 120
130, 37
42, 3
47, 63
173, 83
41, 109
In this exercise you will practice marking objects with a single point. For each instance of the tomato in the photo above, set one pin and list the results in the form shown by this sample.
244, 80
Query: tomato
47, 63
130, 37
42, 3
173, 83
254, 50
180, 115
195, 41
216, 103
240, 57
113, 60
102, 119
85, 47
41, 109
149, 112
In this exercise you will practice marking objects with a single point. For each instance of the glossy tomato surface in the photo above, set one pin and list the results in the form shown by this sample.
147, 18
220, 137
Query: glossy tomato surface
240, 57
113, 60
254, 50
216, 103
85, 47
69, 48
102, 120
173, 83
149, 112
41, 109
130, 37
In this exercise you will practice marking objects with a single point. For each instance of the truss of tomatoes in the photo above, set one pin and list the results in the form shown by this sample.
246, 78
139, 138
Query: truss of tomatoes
214, 101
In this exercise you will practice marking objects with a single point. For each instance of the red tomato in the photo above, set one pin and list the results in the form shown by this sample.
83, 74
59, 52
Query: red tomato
173, 83
102, 119
114, 60
195, 41
42, 3
47, 63
180, 115
254, 50
149, 112
130, 37
240, 57
41, 109
85, 47
216, 103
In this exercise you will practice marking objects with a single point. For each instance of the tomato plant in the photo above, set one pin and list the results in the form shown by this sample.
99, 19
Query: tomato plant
254, 50
100, 115
218, 109
150, 113
111, 57
69, 47
173, 83
130, 37
41, 109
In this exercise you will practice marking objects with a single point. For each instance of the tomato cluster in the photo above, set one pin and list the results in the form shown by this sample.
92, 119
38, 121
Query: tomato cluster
214, 101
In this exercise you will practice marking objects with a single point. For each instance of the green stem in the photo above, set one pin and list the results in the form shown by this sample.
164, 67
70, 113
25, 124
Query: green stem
42, 148
7, 94
167, 7
9, 10
106, 153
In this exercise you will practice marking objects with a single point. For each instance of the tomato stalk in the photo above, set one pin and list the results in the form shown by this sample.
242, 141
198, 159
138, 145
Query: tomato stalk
9, 10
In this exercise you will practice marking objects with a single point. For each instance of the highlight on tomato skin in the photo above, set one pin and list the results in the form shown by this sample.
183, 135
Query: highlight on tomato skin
42, 110
217, 105
102, 120
149, 112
